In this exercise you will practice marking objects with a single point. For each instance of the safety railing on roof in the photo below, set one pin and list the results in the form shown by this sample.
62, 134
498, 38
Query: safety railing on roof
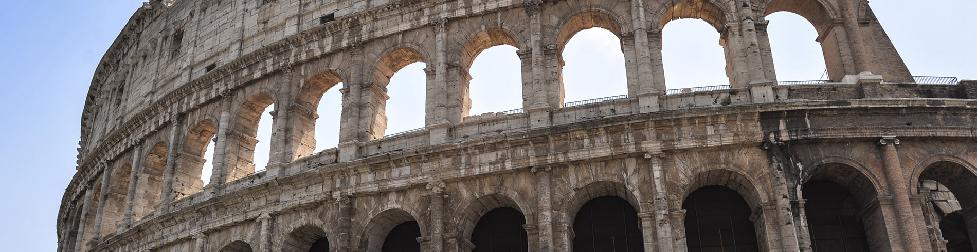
804, 82
512, 111
595, 100
935, 80
696, 89
404, 133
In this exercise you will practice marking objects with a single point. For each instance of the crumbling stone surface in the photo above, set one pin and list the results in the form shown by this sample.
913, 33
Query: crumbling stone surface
184, 72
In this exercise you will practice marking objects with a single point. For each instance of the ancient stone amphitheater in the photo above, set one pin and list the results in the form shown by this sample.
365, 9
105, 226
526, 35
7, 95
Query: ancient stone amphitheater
872, 159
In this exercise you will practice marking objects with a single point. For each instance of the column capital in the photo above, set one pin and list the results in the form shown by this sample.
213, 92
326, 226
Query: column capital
541, 168
890, 139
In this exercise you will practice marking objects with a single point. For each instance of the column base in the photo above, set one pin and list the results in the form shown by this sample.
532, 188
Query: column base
762, 92
648, 103
349, 151
438, 133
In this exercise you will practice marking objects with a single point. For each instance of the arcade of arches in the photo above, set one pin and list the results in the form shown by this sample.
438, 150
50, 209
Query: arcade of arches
229, 157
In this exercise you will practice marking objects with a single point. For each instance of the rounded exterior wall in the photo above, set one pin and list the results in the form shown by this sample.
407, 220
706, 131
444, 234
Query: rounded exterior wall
185, 74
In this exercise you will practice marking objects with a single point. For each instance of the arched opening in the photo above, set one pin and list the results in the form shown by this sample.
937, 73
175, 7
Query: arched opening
401, 96
594, 65
248, 149
842, 210
693, 55
306, 239
115, 199
718, 219
327, 123
607, 223
491, 73
496, 81
951, 190
149, 184
693, 48
403, 238
795, 45
316, 114
237, 246
501, 230
833, 218
262, 147
796, 53
193, 169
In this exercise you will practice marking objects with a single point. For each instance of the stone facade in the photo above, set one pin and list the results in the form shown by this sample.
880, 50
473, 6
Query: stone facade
869, 160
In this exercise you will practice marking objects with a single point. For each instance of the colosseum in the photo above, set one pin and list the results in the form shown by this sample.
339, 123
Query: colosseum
871, 159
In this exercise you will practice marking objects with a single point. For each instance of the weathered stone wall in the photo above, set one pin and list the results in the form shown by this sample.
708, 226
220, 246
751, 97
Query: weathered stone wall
183, 72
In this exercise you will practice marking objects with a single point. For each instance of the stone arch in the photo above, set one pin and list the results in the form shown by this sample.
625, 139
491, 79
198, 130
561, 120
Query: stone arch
392, 60
738, 188
474, 45
304, 239
484, 39
239, 147
603, 195
713, 12
942, 166
850, 176
190, 161
744, 185
822, 16
381, 224
473, 211
237, 246
305, 107
116, 198
871, 180
819, 13
958, 226
582, 195
585, 19
149, 184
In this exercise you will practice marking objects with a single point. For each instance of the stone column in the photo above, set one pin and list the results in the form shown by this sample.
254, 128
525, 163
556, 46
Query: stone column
437, 198
199, 242
282, 145
648, 231
900, 192
538, 95
343, 222
172, 152
678, 230
220, 170
544, 208
803, 232
662, 222
264, 234
532, 234
86, 206
134, 180
103, 194
780, 207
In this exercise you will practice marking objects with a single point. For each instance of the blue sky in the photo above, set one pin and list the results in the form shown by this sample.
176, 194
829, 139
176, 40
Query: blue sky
50, 50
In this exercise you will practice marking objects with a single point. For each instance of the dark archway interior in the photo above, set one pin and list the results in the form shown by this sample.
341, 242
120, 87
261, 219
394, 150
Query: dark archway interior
718, 219
500, 230
607, 224
833, 218
955, 232
403, 238
320, 245
957, 222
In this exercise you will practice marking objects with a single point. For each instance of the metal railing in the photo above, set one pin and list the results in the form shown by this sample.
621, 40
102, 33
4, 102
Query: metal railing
405, 132
696, 89
595, 100
513, 111
935, 80
805, 82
